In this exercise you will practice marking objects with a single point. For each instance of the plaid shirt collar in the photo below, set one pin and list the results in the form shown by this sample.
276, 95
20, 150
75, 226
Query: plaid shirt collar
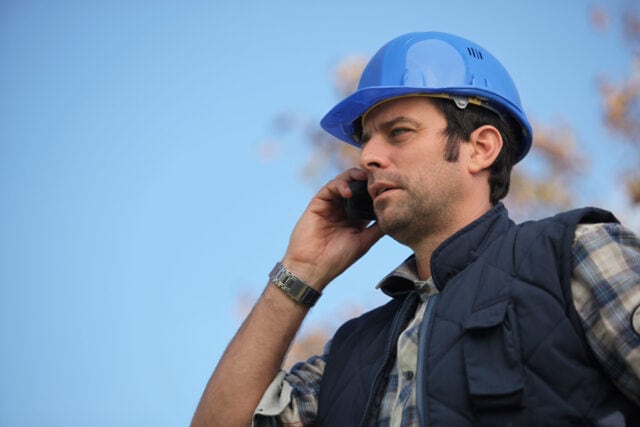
404, 279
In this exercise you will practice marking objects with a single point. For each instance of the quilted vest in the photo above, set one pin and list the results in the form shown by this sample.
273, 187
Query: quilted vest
500, 344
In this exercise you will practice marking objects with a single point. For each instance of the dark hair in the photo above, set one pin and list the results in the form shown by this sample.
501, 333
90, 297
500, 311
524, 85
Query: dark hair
462, 122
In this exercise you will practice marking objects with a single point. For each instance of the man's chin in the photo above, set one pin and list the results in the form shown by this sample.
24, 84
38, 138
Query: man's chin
388, 224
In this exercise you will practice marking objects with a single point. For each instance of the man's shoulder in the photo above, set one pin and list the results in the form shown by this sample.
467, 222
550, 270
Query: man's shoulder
588, 215
570, 220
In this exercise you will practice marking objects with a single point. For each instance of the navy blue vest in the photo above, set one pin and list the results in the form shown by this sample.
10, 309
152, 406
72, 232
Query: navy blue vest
501, 344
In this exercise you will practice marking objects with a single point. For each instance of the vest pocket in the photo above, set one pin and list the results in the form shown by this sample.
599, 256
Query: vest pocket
492, 357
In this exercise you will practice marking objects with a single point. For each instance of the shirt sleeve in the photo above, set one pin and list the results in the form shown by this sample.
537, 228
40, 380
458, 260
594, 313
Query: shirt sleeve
292, 397
606, 293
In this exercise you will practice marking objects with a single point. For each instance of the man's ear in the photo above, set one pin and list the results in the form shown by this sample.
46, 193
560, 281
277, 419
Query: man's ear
485, 144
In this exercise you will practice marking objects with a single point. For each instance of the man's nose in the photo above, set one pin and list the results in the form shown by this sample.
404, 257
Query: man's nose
373, 154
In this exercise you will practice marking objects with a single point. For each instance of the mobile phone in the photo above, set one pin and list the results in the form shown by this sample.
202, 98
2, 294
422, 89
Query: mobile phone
360, 206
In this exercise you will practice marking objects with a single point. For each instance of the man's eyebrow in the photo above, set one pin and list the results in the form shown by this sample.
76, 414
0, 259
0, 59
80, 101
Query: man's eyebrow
385, 126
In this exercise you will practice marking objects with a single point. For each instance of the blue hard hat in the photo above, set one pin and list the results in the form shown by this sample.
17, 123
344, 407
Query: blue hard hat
433, 64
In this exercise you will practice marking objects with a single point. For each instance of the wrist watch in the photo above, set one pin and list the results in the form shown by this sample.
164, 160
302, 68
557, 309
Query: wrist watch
294, 287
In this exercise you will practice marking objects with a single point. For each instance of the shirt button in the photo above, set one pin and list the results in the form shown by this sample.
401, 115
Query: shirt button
408, 375
635, 320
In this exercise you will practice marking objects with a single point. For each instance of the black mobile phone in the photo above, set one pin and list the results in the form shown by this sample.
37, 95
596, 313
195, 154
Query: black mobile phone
360, 206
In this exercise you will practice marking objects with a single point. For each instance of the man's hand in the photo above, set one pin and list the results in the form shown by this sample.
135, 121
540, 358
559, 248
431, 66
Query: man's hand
325, 242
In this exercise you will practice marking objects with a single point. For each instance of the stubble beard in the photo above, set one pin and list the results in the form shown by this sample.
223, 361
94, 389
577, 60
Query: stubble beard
412, 219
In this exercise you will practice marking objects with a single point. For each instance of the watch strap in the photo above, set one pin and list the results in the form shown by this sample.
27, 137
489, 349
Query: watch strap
293, 286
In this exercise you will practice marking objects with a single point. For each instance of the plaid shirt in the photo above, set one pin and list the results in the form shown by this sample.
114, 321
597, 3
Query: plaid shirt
606, 291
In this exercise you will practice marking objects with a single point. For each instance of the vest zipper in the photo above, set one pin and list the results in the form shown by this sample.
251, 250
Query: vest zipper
423, 343
398, 322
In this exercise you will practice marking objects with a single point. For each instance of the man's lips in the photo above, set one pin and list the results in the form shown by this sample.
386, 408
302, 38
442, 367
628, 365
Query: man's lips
379, 188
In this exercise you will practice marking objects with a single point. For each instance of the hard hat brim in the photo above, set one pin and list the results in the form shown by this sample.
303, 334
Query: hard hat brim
339, 121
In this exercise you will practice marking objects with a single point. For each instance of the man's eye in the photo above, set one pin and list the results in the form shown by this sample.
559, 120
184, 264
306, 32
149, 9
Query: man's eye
399, 132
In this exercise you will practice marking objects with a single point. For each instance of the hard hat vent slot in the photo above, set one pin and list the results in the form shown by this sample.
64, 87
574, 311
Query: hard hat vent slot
474, 52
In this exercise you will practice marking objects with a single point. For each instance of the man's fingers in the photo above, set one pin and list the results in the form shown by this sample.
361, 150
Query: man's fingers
340, 184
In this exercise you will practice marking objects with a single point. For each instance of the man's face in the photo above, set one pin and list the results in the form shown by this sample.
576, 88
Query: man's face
414, 189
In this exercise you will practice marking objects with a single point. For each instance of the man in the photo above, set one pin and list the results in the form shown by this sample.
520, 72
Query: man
489, 323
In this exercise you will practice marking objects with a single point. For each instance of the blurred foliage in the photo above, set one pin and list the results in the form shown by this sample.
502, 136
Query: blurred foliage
621, 99
542, 185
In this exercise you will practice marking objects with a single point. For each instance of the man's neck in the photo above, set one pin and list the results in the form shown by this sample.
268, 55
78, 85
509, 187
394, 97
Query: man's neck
425, 248
423, 256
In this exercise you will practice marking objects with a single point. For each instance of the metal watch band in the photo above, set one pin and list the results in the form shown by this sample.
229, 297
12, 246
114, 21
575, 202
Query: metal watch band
294, 287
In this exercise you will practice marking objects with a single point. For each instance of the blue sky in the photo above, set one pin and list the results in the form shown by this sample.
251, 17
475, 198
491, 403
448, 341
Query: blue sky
135, 209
